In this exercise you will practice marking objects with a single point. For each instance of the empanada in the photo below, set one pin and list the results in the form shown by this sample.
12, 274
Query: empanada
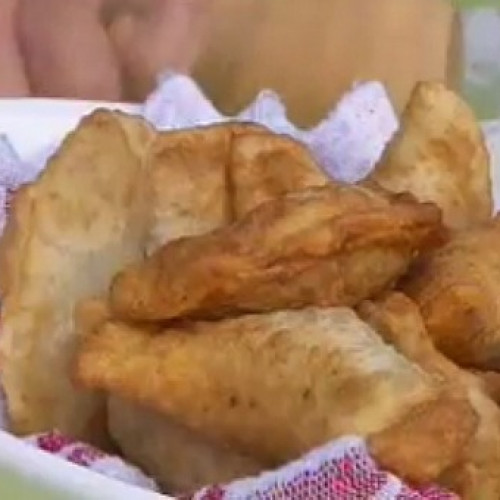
398, 320
457, 288
205, 178
327, 246
115, 191
273, 386
67, 234
440, 155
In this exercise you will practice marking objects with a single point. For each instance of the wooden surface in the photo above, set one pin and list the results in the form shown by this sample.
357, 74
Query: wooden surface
312, 51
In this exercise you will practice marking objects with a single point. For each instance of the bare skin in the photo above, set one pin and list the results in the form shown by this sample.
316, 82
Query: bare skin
93, 49
13, 81
116, 49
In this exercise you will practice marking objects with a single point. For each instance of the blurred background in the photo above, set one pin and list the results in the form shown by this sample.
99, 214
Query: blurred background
481, 20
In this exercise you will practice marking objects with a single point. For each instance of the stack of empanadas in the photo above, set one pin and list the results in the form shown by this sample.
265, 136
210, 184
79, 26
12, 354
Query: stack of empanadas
243, 375
208, 301
115, 189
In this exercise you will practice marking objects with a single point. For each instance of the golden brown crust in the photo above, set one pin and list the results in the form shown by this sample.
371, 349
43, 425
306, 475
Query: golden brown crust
399, 321
424, 444
440, 155
456, 289
237, 381
328, 246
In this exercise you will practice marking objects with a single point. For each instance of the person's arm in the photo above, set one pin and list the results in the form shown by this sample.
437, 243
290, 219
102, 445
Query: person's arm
151, 36
13, 82
66, 49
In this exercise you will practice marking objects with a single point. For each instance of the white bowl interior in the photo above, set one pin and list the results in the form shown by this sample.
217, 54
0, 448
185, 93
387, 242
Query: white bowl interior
33, 124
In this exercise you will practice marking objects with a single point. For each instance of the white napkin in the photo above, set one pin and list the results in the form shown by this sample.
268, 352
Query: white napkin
347, 143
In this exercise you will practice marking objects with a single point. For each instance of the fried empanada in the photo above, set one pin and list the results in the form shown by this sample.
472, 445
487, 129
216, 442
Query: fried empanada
398, 320
263, 167
188, 182
66, 236
328, 246
440, 155
179, 459
114, 191
457, 289
236, 382
205, 178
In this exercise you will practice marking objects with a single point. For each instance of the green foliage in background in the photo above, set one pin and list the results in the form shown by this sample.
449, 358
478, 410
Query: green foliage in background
477, 3
481, 85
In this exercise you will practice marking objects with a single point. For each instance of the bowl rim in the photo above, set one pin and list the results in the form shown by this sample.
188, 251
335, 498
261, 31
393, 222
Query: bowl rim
36, 105
62, 476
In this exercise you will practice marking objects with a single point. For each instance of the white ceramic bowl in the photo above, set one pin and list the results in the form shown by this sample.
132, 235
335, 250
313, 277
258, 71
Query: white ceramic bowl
32, 124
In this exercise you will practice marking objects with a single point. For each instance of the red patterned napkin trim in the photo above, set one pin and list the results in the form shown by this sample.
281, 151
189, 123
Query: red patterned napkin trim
340, 470
90, 457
